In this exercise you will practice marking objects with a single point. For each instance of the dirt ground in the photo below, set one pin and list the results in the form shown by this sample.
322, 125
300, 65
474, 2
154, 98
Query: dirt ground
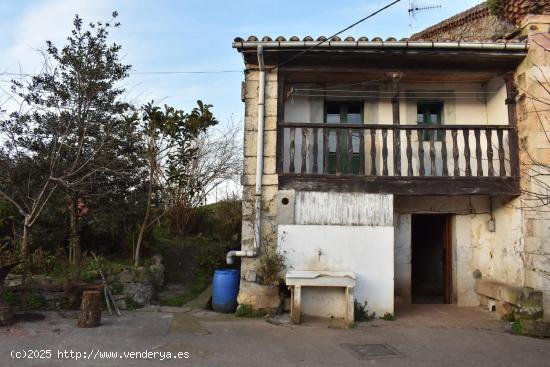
424, 335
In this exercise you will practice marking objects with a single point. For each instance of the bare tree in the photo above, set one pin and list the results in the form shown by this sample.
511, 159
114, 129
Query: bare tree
217, 163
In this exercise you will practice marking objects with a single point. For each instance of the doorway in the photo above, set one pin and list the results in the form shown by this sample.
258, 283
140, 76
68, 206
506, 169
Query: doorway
431, 263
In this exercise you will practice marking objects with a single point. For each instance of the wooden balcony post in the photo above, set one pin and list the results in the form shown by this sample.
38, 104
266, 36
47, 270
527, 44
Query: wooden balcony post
511, 93
280, 119
396, 131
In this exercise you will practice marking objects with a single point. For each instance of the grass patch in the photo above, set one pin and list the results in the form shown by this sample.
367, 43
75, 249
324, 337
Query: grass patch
131, 305
245, 310
388, 316
177, 301
516, 327
37, 302
12, 299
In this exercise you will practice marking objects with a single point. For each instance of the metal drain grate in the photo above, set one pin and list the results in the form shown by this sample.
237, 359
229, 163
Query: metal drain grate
372, 351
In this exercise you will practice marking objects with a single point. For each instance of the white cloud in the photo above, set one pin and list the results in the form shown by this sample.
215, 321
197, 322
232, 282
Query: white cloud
48, 20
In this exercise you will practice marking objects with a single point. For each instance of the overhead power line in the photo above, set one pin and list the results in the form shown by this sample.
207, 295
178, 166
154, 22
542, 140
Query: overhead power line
334, 35
152, 72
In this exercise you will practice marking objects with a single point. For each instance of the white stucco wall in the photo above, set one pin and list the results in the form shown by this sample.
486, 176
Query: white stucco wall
345, 231
367, 251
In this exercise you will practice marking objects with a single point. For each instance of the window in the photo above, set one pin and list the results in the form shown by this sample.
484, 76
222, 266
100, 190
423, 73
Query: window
343, 113
430, 114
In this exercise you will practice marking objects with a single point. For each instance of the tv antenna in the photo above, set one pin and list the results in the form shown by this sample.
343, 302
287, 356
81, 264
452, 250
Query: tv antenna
413, 9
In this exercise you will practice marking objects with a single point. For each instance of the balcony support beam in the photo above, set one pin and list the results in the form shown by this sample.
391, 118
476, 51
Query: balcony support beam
432, 185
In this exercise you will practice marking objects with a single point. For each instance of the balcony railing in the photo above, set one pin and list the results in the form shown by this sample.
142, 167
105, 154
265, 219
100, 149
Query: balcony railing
402, 159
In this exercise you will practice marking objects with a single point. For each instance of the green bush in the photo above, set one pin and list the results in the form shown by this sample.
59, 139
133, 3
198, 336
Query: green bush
361, 312
388, 316
36, 302
131, 305
516, 327
495, 6
12, 299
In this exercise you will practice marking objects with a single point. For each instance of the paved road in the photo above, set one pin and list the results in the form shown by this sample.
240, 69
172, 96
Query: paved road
442, 335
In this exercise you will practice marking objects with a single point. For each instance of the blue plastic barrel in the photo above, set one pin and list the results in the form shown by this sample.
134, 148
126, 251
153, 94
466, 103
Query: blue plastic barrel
225, 288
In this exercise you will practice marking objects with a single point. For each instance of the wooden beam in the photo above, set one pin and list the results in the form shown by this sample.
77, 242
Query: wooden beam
427, 185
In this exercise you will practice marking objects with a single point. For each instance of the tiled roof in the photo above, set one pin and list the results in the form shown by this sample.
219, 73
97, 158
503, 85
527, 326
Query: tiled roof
516, 10
295, 42
319, 39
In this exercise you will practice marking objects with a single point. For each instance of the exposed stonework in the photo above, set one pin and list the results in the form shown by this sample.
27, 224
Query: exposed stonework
478, 24
535, 148
256, 295
475, 24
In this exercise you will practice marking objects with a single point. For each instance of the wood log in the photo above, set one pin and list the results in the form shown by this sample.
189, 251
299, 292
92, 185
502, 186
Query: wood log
6, 316
90, 310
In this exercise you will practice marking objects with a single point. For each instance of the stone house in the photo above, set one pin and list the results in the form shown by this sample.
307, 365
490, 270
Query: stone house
416, 167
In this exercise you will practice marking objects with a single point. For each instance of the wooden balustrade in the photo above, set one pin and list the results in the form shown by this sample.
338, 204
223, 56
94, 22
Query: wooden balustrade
369, 151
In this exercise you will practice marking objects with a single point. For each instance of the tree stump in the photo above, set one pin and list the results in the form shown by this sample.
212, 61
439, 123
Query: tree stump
6, 316
90, 309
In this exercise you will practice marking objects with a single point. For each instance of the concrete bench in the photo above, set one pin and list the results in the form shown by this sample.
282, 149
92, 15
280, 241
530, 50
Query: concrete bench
526, 301
295, 280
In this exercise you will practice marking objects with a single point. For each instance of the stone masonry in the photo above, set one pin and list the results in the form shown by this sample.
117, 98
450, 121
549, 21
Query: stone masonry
533, 125
252, 293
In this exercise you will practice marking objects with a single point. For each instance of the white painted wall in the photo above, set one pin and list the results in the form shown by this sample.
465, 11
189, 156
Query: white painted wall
341, 231
365, 250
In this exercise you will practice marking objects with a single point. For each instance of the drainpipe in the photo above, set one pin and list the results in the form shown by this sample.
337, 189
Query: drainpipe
259, 165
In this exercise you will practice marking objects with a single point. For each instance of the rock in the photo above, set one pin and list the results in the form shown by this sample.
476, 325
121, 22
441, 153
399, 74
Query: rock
258, 296
539, 329
156, 272
141, 293
13, 280
504, 308
142, 275
125, 276
121, 304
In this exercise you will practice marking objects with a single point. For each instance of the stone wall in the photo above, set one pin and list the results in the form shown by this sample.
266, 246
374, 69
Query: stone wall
532, 78
475, 24
251, 292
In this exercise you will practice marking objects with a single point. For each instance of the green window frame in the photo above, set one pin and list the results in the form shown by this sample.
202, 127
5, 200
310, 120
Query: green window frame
430, 113
343, 112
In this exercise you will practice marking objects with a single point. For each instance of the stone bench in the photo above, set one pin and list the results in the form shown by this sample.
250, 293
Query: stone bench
525, 302
295, 280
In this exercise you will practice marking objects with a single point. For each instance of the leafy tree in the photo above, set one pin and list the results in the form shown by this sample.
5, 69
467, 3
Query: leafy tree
171, 149
71, 131
78, 102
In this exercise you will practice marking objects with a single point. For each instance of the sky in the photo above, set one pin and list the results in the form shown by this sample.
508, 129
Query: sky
163, 35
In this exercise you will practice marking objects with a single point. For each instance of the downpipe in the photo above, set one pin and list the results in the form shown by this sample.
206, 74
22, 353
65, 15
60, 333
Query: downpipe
259, 166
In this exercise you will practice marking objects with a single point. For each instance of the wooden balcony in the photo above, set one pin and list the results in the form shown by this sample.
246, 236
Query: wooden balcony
399, 159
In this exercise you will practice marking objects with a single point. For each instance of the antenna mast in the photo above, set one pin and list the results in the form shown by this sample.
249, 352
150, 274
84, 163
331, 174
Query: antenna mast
413, 9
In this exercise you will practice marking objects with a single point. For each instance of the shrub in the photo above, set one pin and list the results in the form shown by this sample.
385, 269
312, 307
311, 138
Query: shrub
131, 305
495, 6
516, 327
361, 312
37, 302
12, 299
388, 316
270, 266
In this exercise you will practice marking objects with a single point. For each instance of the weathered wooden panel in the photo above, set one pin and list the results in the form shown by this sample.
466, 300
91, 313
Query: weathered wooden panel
340, 208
